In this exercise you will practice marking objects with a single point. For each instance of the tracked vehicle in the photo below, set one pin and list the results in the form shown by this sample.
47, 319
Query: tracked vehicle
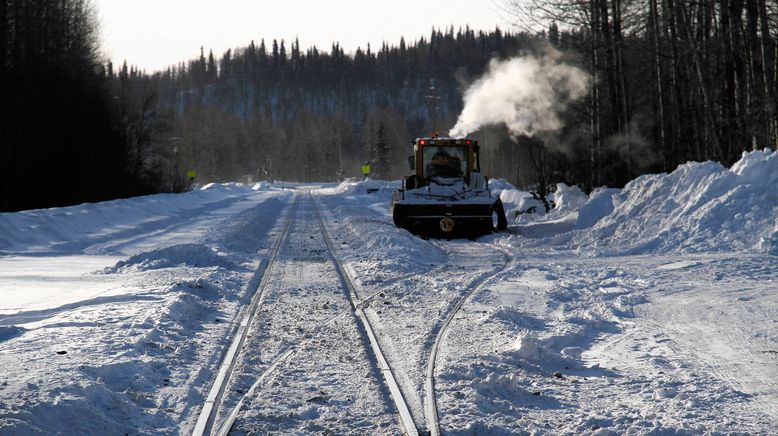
447, 196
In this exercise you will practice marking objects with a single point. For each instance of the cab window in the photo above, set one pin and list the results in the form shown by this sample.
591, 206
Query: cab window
444, 161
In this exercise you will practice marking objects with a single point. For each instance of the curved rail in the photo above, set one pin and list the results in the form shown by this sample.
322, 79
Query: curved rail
433, 422
215, 395
406, 420
233, 416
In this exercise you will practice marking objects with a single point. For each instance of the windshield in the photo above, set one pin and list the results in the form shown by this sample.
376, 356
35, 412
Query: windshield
444, 161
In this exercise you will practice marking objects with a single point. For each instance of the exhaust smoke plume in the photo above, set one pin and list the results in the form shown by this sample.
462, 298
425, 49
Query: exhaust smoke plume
526, 93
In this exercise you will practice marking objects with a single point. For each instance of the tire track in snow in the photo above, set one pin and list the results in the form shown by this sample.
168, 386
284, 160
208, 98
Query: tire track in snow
727, 355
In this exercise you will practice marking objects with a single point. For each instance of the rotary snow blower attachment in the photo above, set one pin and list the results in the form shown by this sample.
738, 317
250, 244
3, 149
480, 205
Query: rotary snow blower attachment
447, 196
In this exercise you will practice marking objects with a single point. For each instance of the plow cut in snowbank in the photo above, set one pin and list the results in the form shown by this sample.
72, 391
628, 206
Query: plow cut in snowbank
699, 207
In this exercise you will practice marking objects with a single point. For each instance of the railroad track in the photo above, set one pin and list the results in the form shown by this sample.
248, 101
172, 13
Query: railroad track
215, 395
431, 406
214, 407
397, 396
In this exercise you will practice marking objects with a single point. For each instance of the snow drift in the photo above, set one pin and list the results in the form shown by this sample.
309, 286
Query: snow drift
75, 228
699, 207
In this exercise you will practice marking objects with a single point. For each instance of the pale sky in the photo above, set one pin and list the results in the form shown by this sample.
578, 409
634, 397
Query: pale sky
153, 34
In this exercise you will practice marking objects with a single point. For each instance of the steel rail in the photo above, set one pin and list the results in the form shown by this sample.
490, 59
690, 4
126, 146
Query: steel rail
406, 420
233, 416
431, 406
230, 421
216, 394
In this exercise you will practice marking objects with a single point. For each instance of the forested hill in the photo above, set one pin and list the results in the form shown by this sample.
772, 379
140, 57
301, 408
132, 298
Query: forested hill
668, 82
272, 110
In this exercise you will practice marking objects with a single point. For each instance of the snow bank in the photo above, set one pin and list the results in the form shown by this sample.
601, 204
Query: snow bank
525, 207
352, 186
192, 255
699, 207
71, 229
130, 351
568, 198
517, 202
10, 332
600, 205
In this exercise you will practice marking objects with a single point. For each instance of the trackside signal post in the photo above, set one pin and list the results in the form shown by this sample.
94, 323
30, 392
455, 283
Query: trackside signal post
191, 175
366, 169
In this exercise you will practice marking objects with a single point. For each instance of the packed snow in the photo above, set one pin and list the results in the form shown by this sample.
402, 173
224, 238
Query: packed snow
441, 189
648, 309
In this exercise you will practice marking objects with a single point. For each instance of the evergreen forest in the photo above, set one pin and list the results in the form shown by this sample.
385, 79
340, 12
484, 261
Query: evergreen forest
671, 81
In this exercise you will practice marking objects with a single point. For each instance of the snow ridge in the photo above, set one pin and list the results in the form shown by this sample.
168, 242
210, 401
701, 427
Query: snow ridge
701, 207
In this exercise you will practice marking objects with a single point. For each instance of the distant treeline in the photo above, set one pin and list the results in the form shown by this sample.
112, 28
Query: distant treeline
672, 81
274, 111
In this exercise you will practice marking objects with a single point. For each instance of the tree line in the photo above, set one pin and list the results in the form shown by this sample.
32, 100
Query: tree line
273, 111
672, 81
60, 142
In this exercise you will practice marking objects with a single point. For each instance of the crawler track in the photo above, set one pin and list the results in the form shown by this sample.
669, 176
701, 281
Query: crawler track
286, 347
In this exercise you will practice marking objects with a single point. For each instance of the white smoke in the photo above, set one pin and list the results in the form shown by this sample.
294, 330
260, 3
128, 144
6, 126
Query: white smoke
526, 93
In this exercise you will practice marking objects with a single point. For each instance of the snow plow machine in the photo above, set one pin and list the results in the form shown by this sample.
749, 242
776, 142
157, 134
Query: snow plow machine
447, 196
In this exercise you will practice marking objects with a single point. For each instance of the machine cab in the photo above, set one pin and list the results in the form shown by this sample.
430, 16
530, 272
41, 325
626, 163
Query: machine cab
443, 158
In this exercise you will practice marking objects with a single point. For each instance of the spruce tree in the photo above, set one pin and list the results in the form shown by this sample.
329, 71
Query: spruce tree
380, 164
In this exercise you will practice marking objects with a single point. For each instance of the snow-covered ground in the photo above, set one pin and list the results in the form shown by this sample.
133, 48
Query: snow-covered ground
652, 309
